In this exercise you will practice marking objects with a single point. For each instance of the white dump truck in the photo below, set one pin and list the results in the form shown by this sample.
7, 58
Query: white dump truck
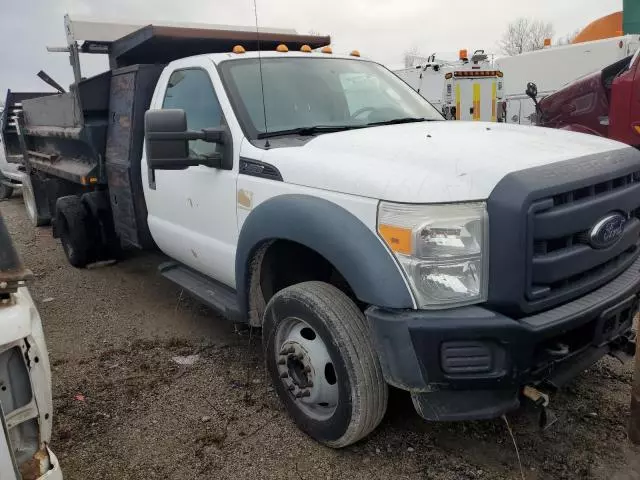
317, 196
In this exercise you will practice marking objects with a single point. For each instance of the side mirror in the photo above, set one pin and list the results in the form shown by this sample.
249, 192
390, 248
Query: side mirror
532, 90
167, 140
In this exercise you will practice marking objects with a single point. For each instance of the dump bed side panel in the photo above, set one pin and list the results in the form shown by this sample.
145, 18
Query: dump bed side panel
131, 92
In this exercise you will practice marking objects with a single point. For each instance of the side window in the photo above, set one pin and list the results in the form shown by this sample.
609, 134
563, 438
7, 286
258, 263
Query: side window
191, 90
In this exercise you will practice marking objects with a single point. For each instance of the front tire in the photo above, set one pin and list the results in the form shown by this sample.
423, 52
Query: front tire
6, 191
322, 361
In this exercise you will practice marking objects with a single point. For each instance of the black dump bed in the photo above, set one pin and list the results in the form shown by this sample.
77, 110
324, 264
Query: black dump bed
8, 118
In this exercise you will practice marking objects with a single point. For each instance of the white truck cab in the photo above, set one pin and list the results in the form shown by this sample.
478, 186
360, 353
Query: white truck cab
319, 197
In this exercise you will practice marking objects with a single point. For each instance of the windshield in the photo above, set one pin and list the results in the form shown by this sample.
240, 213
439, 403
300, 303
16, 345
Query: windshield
311, 92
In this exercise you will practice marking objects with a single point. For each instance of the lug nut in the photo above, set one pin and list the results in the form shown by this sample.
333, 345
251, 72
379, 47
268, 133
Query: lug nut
307, 370
284, 375
303, 394
286, 351
309, 384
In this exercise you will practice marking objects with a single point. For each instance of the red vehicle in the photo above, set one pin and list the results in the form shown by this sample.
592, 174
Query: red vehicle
604, 103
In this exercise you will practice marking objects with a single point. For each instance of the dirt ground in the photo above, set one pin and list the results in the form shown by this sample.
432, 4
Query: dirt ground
124, 409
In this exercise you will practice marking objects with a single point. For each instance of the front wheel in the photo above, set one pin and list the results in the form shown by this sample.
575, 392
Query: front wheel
321, 358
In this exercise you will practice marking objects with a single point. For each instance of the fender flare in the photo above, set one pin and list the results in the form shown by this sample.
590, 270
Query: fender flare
334, 233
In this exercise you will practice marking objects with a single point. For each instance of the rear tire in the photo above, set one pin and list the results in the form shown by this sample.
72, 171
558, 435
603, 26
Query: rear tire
73, 225
5, 190
322, 361
37, 213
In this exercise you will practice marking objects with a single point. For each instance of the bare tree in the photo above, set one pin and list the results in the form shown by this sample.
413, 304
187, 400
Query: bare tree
525, 35
568, 39
412, 56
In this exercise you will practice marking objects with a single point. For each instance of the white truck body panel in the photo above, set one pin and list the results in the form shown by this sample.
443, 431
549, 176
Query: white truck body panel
22, 330
552, 68
426, 81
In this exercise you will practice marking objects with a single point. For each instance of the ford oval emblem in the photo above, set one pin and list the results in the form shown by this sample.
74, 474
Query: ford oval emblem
607, 231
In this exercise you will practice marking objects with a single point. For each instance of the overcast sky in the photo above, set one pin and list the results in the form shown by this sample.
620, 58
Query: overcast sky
380, 29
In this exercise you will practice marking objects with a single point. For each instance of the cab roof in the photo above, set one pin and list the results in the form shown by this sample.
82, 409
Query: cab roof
221, 57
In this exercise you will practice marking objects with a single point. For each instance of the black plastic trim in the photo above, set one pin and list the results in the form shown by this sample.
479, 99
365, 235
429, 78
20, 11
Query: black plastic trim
409, 342
333, 232
510, 221
256, 168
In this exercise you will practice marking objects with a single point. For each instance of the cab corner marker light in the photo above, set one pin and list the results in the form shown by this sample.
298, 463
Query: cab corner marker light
327, 50
305, 49
93, 180
282, 48
448, 76
637, 128
239, 49
500, 74
398, 239
355, 53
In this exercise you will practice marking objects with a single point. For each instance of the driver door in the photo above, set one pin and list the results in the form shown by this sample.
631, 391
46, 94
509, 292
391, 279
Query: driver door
192, 212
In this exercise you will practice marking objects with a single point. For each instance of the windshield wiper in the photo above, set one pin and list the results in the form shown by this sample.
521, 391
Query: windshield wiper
397, 121
309, 130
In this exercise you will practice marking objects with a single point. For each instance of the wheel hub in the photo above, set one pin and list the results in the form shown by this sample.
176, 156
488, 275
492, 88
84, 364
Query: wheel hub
306, 370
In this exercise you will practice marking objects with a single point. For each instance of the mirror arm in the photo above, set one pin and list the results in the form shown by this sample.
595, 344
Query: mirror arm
213, 161
210, 135
188, 135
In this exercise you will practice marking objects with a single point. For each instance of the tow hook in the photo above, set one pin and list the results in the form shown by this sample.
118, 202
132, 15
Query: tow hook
540, 401
624, 349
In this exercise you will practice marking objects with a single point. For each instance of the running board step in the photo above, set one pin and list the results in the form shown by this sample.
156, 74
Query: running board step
213, 294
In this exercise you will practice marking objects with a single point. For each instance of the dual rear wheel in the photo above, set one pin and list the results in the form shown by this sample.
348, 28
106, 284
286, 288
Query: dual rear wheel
85, 228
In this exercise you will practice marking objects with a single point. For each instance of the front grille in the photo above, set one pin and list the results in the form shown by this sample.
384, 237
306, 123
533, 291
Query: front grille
562, 264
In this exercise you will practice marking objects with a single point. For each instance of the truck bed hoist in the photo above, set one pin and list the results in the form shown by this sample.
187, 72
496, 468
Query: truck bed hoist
317, 196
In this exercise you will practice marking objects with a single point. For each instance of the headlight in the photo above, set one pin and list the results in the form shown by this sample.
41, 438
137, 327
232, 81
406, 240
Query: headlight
443, 250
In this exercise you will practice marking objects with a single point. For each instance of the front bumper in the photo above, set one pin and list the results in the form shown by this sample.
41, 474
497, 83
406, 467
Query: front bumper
471, 363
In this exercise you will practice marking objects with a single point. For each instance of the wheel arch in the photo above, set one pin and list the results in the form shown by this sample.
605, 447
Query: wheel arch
333, 233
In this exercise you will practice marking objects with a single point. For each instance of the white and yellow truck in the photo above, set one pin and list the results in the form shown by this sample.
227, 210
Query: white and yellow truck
467, 89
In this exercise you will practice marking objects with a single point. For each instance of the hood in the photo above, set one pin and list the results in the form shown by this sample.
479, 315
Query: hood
429, 162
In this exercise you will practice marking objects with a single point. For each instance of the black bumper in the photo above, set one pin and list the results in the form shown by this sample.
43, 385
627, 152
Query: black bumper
471, 363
